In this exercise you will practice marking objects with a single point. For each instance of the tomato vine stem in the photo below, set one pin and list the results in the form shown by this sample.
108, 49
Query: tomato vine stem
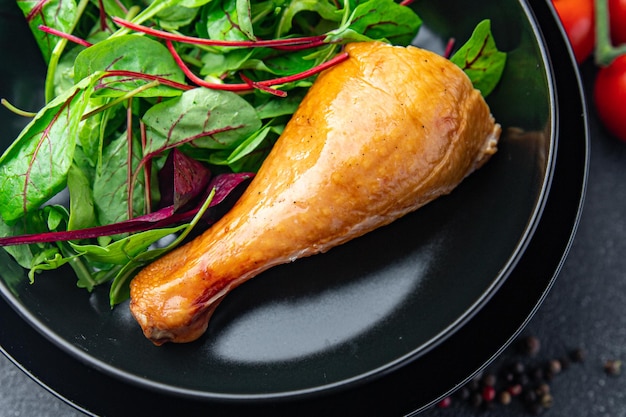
605, 52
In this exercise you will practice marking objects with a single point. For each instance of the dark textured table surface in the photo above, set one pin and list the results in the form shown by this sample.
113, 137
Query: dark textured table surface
585, 309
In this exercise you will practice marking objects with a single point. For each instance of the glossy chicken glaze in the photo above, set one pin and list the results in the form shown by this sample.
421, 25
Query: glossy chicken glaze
377, 136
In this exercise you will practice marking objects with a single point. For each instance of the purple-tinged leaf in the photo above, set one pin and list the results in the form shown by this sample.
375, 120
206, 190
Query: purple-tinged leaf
137, 224
225, 186
182, 179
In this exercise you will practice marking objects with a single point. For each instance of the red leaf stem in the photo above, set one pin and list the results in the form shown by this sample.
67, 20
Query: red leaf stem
144, 76
103, 16
271, 43
129, 157
449, 47
300, 46
270, 90
308, 73
69, 37
147, 169
35, 10
257, 84
199, 81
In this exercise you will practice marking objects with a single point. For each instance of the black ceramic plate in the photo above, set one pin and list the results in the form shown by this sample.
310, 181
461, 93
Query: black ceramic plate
386, 323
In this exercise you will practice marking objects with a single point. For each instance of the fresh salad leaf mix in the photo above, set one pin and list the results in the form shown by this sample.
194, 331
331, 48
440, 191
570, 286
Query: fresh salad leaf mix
158, 112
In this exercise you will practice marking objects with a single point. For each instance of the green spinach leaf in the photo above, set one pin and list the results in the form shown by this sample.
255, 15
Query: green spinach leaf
111, 187
134, 53
34, 168
379, 20
210, 119
57, 14
480, 58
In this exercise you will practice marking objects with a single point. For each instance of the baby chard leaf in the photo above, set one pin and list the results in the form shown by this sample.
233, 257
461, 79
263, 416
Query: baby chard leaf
480, 58
82, 212
378, 20
176, 17
134, 53
56, 14
34, 168
224, 22
124, 250
275, 107
212, 119
326, 9
34, 222
111, 184
120, 286
245, 18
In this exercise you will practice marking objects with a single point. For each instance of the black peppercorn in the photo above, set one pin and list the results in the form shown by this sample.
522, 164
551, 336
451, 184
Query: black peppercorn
489, 379
531, 345
555, 366
522, 379
534, 408
613, 367
474, 383
542, 389
518, 368
530, 397
476, 399
577, 355
463, 393
537, 373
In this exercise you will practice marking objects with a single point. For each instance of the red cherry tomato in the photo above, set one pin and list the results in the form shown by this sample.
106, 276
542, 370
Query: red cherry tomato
577, 17
610, 97
617, 14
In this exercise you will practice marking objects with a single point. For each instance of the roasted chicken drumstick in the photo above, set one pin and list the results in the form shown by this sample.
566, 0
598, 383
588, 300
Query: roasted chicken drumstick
377, 136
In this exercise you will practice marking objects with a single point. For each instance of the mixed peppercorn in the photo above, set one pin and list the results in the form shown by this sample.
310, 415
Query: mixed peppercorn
526, 379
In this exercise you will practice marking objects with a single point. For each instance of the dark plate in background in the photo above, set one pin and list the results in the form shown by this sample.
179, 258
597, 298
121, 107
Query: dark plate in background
381, 323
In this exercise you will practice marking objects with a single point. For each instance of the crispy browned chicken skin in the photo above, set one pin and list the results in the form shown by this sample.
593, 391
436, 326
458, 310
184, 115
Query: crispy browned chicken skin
376, 137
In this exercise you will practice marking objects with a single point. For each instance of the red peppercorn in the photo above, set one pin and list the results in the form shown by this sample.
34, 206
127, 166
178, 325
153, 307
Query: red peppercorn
489, 393
445, 402
515, 390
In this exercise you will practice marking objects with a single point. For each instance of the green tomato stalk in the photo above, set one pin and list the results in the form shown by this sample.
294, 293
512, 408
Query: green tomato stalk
606, 52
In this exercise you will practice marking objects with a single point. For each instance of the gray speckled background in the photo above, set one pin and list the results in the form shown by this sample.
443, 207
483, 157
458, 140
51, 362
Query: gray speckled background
21, 396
